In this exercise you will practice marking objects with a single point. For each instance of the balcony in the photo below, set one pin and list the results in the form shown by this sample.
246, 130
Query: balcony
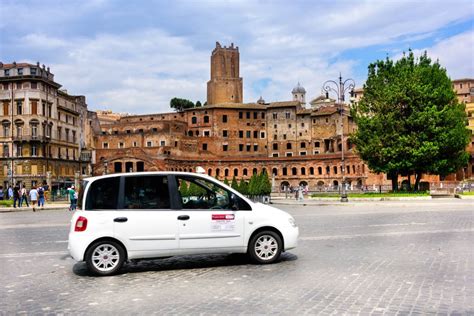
86, 156
31, 138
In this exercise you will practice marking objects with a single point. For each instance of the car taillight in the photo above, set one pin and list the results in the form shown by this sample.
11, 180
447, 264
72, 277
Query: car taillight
81, 224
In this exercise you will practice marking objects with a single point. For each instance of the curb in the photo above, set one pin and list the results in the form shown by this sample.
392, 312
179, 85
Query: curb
11, 209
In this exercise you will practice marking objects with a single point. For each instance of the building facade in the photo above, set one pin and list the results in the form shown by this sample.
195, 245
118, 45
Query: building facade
44, 129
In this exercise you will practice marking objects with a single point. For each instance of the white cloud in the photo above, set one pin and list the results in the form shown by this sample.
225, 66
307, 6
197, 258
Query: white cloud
454, 53
135, 58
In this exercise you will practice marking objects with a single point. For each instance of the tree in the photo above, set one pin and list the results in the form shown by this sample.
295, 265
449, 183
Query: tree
181, 104
183, 189
226, 182
234, 185
243, 187
409, 120
198, 104
265, 184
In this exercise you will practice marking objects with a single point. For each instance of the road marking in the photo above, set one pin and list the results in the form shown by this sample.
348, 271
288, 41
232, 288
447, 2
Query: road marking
32, 254
39, 225
388, 234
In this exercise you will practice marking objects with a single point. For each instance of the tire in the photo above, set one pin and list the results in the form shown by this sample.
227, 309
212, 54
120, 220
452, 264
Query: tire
265, 247
105, 257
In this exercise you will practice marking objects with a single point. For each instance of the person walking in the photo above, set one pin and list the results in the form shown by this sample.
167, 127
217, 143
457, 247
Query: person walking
33, 197
24, 197
40, 197
10, 193
72, 198
1, 192
16, 196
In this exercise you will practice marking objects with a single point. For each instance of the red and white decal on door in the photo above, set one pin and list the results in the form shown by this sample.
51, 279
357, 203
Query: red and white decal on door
216, 217
223, 222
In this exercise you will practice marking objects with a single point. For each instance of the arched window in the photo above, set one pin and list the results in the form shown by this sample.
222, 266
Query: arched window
293, 171
320, 170
334, 169
285, 171
226, 173
194, 120
217, 172
236, 172
275, 171
209, 172
190, 133
303, 171
254, 171
328, 170
245, 172
311, 170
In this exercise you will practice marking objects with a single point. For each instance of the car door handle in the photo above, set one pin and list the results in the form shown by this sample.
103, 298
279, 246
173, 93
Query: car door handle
120, 219
183, 217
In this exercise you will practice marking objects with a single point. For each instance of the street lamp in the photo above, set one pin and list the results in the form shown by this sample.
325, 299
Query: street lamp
340, 88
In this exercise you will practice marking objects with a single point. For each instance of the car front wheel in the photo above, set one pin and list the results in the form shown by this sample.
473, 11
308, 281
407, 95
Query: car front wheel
105, 257
265, 247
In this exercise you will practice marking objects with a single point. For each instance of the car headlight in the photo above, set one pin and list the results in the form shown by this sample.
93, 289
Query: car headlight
292, 221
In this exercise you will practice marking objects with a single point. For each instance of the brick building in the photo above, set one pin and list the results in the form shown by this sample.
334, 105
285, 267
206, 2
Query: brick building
44, 129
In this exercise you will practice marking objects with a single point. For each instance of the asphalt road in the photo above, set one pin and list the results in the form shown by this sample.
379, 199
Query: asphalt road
357, 258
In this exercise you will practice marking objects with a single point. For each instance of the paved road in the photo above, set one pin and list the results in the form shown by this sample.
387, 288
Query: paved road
358, 258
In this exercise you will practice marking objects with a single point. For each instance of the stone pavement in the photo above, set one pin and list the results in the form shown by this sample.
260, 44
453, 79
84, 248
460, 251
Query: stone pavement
386, 258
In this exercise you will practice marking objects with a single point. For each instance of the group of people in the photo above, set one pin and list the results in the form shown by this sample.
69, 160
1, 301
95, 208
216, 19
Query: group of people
20, 196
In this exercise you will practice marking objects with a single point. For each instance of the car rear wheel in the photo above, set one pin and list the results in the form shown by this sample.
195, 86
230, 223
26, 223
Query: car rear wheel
265, 247
105, 257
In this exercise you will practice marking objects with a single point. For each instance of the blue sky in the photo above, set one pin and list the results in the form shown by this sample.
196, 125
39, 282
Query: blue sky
134, 56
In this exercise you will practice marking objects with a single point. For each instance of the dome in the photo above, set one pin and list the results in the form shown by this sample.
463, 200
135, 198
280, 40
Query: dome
298, 89
261, 100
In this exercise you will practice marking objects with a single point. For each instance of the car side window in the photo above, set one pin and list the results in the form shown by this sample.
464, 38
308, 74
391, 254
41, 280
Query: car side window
197, 193
103, 194
146, 192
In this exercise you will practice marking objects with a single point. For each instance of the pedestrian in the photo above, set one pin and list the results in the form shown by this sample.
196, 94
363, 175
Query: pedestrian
33, 197
10, 193
1, 192
72, 200
40, 197
24, 197
300, 193
16, 196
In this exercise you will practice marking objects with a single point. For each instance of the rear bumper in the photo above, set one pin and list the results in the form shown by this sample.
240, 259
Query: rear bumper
77, 245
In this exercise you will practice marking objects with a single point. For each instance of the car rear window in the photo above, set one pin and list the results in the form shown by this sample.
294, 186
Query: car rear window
103, 194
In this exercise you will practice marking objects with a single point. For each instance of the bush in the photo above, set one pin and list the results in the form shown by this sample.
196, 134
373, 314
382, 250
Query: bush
6, 203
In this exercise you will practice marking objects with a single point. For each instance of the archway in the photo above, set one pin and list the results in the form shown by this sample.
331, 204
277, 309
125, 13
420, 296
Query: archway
284, 185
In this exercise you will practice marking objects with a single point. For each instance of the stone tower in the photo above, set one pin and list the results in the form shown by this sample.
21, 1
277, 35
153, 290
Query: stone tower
225, 85
299, 93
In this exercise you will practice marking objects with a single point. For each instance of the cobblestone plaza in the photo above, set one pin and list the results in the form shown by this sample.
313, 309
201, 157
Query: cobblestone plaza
359, 258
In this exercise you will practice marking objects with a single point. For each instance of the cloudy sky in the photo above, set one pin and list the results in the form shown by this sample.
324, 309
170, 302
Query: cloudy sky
134, 56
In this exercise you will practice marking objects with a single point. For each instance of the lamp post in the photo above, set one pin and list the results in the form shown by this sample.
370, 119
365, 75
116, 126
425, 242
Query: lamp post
340, 88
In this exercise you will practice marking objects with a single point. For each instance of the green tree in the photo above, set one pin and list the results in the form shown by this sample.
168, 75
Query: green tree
243, 187
198, 104
234, 185
265, 184
409, 120
226, 182
253, 185
181, 104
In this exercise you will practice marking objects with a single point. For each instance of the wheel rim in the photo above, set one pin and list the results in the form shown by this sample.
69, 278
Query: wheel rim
266, 247
105, 257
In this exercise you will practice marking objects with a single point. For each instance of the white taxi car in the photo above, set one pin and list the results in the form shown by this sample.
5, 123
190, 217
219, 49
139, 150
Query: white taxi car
146, 215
